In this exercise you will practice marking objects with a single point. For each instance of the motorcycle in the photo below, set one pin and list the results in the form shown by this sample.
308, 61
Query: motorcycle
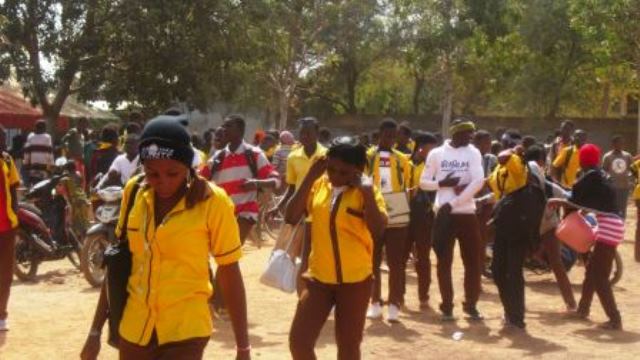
46, 230
101, 234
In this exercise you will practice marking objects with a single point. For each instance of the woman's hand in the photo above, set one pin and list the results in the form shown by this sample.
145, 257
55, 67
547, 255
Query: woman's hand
555, 203
91, 348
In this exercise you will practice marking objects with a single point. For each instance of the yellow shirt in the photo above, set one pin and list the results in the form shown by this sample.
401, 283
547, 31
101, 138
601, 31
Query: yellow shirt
509, 177
11, 178
570, 172
355, 244
400, 168
298, 164
411, 145
635, 169
169, 285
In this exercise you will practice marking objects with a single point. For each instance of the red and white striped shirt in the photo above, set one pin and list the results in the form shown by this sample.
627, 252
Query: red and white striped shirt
234, 171
610, 229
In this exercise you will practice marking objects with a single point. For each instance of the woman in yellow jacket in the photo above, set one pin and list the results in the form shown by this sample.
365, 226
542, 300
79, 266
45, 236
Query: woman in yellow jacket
347, 213
177, 220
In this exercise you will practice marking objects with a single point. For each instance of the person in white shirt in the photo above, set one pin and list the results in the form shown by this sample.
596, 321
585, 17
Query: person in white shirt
454, 171
125, 165
38, 154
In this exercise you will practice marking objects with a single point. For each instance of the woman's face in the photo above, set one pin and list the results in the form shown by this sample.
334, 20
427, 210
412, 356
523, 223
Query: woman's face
165, 176
341, 173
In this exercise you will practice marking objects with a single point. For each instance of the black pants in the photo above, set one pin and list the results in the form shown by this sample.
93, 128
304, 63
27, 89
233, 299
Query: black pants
509, 251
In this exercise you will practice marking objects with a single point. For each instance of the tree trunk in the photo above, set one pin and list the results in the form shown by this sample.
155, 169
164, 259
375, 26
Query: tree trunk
606, 99
417, 90
283, 107
447, 105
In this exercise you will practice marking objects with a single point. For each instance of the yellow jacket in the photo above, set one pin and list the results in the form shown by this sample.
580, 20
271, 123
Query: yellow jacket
11, 178
509, 177
400, 169
570, 167
169, 285
354, 250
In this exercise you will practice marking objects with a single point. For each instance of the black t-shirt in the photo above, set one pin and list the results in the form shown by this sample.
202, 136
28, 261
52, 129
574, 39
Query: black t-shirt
594, 191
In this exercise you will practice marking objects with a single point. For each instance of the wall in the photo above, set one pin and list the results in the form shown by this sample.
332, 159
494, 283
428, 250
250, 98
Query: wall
600, 130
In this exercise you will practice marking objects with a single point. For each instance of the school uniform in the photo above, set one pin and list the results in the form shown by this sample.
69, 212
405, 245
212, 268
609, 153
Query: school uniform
568, 164
8, 222
339, 272
420, 222
169, 286
390, 170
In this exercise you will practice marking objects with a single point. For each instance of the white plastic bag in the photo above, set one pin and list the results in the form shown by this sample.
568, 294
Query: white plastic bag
282, 270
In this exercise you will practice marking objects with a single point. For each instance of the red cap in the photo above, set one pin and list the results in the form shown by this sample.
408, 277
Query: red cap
589, 155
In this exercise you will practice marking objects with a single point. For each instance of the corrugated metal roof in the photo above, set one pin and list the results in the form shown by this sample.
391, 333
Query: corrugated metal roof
12, 102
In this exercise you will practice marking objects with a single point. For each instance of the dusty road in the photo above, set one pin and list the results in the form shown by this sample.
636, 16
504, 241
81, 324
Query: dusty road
50, 319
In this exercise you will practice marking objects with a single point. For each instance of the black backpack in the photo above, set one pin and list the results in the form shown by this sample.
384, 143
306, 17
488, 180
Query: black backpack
526, 206
117, 260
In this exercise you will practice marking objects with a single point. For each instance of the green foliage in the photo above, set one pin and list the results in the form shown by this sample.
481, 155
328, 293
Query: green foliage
324, 57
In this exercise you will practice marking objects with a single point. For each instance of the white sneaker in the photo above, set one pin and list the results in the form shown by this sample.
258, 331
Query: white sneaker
4, 325
394, 312
375, 311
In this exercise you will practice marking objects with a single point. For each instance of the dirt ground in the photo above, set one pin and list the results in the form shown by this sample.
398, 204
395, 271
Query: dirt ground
50, 319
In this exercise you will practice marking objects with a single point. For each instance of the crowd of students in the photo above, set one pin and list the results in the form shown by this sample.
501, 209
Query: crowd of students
357, 201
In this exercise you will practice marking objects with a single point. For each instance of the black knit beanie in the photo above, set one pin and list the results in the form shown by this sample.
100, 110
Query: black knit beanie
163, 137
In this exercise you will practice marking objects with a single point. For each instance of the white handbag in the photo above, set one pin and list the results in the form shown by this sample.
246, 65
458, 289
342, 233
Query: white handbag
397, 209
282, 271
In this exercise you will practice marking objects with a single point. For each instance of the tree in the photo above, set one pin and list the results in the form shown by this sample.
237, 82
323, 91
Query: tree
67, 34
355, 37
288, 40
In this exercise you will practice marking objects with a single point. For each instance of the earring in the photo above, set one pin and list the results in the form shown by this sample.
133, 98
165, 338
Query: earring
189, 178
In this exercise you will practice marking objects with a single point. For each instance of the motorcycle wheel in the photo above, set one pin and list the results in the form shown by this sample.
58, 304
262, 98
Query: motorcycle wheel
25, 267
74, 255
91, 258
616, 273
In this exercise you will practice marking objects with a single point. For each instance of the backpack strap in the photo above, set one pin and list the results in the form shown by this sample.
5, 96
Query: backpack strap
130, 202
564, 167
217, 161
398, 168
250, 155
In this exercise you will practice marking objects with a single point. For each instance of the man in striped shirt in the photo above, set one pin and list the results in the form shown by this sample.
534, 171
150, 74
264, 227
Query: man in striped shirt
241, 170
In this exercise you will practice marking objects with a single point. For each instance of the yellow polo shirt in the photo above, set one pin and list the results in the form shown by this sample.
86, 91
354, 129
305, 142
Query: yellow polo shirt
570, 173
399, 164
169, 285
11, 178
509, 177
355, 244
298, 164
